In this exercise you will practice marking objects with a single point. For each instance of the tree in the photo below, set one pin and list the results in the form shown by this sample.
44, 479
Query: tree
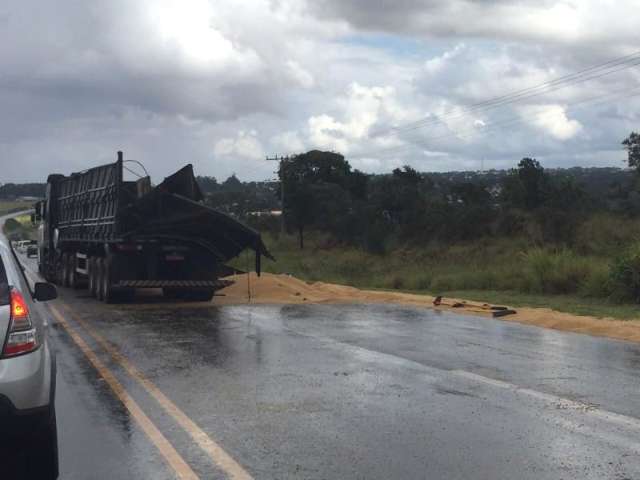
632, 146
207, 184
407, 176
470, 194
232, 184
318, 186
525, 187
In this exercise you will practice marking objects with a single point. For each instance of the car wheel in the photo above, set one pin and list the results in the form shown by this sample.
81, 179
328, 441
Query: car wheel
43, 454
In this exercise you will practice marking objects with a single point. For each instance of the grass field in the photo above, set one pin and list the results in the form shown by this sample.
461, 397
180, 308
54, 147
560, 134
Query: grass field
20, 228
13, 206
507, 271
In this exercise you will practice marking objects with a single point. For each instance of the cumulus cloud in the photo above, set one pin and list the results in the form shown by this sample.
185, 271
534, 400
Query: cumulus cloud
361, 109
289, 142
299, 74
560, 21
206, 82
551, 119
244, 146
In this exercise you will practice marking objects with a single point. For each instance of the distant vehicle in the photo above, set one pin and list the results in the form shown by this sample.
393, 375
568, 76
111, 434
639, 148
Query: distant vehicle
27, 369
115, 236
32, 250
21, 245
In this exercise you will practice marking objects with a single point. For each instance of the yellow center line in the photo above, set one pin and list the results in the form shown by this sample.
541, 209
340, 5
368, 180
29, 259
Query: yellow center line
215, 452
171, 456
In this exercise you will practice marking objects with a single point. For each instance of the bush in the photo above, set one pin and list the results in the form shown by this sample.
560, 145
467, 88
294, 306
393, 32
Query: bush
597, 283
605, 234
624, 276
421, 281
397, 282
12, 225
555, 271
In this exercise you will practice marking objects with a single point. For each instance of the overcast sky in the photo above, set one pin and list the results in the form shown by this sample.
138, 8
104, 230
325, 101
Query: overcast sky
221, 83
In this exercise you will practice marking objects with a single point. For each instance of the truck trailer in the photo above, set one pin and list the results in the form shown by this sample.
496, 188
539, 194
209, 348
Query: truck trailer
113, 236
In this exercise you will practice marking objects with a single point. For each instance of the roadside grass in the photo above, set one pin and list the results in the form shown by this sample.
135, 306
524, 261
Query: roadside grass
495, 270
8, 206
20, 228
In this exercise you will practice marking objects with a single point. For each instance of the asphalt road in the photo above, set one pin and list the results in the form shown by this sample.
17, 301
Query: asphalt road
336, 391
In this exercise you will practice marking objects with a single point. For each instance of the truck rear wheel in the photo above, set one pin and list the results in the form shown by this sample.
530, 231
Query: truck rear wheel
169, 292
64, 270
91, 264
99, 277
198, 295
73, 275
108, 294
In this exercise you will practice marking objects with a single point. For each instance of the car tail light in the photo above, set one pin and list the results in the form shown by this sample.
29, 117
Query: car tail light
22, 336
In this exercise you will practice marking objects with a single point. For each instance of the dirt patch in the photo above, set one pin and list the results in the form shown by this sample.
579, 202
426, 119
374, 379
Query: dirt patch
285, 289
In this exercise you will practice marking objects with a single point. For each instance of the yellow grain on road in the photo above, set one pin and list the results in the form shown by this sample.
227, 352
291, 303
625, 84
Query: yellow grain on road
215, 452
171, 456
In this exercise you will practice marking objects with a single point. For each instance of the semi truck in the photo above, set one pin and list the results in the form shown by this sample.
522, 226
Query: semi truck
112, 236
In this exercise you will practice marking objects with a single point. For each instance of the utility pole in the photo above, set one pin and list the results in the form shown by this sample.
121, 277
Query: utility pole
280, 159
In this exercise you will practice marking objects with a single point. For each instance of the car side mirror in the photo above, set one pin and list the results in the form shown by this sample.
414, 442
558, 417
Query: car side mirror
43, 292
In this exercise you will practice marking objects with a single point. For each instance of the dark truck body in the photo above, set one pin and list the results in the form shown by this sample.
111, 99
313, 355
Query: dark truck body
114, 236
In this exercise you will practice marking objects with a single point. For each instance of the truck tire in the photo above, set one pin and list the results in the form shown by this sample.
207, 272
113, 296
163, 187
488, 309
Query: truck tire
170, 292
99, 277
127, 295
73, 275
198, 295
108, 294
91, 265
64, 276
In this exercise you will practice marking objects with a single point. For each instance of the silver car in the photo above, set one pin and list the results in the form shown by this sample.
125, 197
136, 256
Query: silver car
28, 435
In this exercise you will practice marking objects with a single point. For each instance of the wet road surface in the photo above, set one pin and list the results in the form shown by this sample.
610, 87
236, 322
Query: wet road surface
340, 391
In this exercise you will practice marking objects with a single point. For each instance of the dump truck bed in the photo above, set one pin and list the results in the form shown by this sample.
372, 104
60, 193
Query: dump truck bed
98, 206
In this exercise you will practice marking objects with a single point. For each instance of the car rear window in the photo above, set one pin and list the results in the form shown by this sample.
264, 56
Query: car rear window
4, 285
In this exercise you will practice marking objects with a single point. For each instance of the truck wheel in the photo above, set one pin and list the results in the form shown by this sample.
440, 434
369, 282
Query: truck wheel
99, 277
91, 265
108, 293
64, 280
199, 295
169, 292
127, 295
73, 275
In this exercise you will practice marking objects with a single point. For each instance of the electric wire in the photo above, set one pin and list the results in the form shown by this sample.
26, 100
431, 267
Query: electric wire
504, 123
591, 73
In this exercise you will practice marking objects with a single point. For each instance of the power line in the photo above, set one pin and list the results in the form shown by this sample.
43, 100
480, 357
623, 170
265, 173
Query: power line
591, 73
562, 82
504, 123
